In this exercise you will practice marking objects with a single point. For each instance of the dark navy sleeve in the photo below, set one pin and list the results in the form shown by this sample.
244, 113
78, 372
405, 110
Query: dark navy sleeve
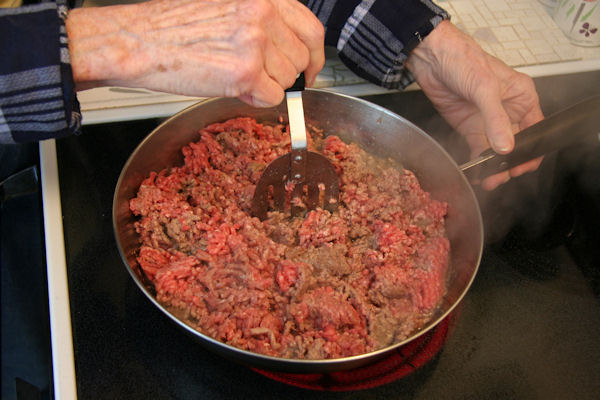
375, 37
37, 92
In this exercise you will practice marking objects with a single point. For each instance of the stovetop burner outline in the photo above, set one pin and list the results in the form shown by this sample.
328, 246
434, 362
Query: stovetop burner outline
399, 364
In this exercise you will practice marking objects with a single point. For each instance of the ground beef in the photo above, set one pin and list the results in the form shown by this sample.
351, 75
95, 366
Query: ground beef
317, 286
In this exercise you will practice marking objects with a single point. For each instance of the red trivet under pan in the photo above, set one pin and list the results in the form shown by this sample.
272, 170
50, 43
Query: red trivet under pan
398, 364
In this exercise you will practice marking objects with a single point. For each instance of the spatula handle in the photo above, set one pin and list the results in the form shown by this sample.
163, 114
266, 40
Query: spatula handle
299, 141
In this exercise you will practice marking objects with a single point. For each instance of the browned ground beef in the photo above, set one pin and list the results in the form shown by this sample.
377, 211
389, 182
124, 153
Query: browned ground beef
323, 285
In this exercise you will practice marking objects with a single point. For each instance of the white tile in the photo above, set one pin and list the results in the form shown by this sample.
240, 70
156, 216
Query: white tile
519, 5
533, 23
508, 21
481, 23
485, 34
497, 5
514, 14
548, 21
498, 15
547, 58
462, 7
484, 13
481, 6
538, 46
521, 31
531, 13
466, 18
548, 36
566, 52
491, 22
560, 37
511, 57
486, 47
496, 48
513, 45
476, 16
528, 57
505, 33
469, 26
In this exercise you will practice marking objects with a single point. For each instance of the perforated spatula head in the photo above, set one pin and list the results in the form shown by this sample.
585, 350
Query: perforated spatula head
300, 180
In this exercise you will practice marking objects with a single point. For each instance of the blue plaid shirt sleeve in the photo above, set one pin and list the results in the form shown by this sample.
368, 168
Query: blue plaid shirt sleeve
375, 37
37, 91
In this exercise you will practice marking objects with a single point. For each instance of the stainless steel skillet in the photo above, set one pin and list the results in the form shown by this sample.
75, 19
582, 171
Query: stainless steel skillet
374, 128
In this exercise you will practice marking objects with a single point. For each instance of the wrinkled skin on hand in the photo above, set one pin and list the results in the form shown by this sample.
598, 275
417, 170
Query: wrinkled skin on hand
251, 49
481, 97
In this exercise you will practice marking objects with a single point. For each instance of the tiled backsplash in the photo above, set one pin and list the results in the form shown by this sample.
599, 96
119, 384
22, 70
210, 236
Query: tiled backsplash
522, 33
519, 32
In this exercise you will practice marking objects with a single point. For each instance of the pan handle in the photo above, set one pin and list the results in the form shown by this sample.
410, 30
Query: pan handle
555, 132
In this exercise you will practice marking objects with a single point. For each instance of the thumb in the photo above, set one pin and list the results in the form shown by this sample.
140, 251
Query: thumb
497, 124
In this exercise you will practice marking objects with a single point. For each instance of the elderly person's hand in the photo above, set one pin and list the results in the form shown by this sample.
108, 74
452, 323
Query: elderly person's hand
251, 49
480, 96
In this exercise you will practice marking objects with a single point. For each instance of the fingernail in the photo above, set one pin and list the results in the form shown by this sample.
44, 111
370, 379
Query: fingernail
259, 103
502, 146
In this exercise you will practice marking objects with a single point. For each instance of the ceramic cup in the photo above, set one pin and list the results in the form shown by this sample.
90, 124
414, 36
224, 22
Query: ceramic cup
579, 20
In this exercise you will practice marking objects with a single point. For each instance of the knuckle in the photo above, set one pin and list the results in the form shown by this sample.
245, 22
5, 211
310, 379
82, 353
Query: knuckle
527, 82
302, 60
316, 32
288, 80
257, 9
245, 75
253, 36
527, 87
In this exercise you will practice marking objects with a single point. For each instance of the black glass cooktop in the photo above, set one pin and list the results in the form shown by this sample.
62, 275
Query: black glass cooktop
527, 329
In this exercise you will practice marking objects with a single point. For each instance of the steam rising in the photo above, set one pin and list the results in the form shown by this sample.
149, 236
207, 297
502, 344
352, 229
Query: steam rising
532, 202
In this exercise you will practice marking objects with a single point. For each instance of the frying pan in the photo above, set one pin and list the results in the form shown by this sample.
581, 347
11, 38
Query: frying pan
374, 128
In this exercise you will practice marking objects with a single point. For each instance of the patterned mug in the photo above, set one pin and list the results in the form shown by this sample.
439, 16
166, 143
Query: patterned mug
579, 20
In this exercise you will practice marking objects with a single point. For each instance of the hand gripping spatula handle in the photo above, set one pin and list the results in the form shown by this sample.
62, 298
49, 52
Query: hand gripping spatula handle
300, 180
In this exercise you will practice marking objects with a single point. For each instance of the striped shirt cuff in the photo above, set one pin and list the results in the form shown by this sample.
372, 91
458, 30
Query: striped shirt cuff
375, 37
37, 92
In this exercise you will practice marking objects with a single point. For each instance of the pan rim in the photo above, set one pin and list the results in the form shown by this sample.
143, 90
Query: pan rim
290, 364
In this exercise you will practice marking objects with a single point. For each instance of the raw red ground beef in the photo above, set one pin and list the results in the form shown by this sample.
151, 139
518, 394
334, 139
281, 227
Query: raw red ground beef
322, 285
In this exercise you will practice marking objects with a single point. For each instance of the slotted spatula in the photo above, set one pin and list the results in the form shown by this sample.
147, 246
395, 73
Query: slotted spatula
300, 180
